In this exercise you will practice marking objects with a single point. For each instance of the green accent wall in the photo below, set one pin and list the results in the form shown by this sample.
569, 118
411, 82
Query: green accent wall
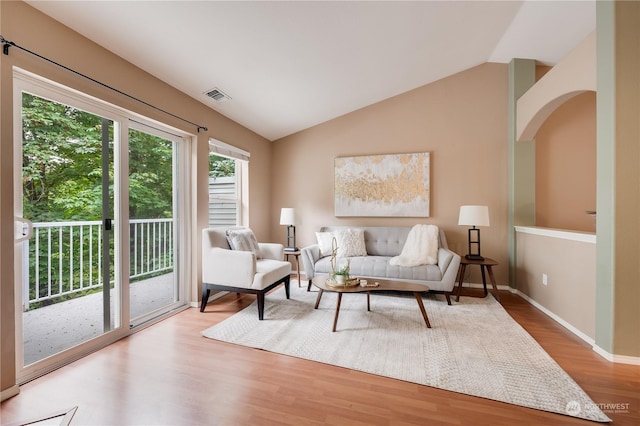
522, 161
618, 178
605, 100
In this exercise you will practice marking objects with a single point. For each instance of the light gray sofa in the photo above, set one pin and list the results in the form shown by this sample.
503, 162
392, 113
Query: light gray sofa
383, 243
241, 271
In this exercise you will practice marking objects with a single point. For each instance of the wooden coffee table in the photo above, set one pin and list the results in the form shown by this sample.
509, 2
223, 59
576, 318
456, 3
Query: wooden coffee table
384, 285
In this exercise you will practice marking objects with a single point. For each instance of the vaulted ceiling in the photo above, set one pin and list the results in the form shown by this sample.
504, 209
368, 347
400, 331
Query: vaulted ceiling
290, 65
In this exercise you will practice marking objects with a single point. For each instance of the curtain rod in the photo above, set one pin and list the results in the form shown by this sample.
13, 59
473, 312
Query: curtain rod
6, 44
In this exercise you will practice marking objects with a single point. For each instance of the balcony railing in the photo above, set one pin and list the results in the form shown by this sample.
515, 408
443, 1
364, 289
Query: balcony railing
65, 258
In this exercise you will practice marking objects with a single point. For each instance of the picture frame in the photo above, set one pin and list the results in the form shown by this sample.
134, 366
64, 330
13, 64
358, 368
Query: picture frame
386, 185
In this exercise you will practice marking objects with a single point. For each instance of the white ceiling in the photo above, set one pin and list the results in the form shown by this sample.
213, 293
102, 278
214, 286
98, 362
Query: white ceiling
290, 65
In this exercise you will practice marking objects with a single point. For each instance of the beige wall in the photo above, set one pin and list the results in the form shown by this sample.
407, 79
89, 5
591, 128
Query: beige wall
570, 267
461, 120
566, 166
29, 28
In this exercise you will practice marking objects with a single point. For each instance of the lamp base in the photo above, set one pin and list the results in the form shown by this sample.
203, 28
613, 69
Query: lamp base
472, 257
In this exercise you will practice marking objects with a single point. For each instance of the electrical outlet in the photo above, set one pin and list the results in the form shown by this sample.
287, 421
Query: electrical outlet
544, 279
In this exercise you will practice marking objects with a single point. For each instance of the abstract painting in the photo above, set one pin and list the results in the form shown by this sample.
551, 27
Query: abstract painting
395, 185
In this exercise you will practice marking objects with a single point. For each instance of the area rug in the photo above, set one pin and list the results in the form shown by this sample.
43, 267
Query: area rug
474, 347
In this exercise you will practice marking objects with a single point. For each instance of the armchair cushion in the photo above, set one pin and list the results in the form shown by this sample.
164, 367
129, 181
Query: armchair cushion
243, 240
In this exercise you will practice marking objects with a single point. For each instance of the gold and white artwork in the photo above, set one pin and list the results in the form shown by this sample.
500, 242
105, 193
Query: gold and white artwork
382, 185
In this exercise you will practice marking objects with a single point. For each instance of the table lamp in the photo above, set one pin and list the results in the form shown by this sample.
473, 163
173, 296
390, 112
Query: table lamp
474, 216
288, 217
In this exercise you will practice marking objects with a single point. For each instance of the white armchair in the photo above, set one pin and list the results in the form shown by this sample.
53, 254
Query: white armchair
255, 268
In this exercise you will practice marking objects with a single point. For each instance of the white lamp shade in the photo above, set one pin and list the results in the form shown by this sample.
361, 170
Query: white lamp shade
474, 216
287, 216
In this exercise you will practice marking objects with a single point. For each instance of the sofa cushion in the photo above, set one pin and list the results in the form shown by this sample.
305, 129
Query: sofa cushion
243, 240
350, 243
325, 241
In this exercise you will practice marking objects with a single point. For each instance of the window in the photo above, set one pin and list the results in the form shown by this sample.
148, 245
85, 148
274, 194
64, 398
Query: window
227, 166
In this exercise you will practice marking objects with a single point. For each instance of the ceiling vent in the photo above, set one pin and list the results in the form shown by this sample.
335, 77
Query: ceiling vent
217, 95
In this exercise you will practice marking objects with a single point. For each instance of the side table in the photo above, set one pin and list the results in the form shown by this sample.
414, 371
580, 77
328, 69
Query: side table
296, 254
484, 263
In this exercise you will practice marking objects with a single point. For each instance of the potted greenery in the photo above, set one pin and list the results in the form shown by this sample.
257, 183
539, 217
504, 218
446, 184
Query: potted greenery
341, 276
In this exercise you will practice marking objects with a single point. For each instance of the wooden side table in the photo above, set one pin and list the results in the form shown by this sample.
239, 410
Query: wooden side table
484, 263
296, 254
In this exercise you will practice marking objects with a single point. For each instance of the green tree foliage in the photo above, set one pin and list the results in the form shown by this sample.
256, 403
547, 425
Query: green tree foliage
61, 172
150, 176
221, 166
62, 166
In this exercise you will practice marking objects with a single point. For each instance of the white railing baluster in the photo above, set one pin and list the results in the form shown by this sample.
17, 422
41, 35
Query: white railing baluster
81, 249
135, 249
60, 259
49, 262
70, 257
25, 275
155, 245
90, 255
147, 259
37, 292
100, 237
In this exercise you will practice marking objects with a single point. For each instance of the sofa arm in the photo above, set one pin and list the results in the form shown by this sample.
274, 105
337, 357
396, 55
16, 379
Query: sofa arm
310, 255
233, 268
449, 263
274, 251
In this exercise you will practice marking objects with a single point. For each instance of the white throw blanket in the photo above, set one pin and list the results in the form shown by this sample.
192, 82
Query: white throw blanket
421, 247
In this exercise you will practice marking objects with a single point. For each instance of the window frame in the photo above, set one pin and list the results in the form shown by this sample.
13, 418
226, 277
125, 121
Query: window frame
241, 159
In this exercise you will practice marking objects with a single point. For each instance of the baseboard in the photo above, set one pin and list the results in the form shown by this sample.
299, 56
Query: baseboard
557, 319
9, 392
479, 285
619, 359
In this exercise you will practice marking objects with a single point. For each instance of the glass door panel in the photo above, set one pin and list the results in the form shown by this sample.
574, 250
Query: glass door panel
152, 217
66, 269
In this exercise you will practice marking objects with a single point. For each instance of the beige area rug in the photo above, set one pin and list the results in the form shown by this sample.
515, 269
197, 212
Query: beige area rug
474, 347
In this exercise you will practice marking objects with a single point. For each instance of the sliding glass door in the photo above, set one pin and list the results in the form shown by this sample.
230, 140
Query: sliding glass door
100, 205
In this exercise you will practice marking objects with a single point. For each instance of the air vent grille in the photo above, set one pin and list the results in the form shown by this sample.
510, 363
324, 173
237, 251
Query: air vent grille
217, 95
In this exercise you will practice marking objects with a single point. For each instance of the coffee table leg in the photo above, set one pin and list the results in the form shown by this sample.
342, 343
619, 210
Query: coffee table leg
368, 301
421, 305
318, 298
335, 320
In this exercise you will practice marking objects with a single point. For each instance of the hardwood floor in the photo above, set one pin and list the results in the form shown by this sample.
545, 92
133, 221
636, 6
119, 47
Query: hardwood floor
168, 374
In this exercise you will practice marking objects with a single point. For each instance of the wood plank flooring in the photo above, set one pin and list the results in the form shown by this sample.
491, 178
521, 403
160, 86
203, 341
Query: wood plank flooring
168, 374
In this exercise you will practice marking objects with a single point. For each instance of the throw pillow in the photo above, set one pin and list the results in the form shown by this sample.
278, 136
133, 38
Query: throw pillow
243, 240
351, 243
324, 243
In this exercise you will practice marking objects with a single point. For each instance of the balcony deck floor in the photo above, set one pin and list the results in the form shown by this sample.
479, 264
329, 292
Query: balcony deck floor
51, 329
